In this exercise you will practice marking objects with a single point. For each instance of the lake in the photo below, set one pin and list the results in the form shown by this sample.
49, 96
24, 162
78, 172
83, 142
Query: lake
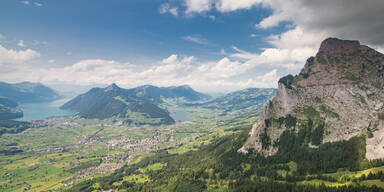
38, 111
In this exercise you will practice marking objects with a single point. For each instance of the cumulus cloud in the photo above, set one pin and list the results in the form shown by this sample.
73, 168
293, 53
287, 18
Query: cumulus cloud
272, 21
291, 59
200, 6
233, 5
348, 19
225, 74
11, 56
197, 6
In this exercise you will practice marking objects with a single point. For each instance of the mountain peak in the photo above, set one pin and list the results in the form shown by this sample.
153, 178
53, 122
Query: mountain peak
334, 45
338, 94
185, 86
111, 87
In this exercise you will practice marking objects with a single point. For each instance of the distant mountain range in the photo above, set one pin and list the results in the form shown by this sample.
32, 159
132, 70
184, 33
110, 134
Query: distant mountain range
156, 94
243, 99
8, 109
137, 106
25, 92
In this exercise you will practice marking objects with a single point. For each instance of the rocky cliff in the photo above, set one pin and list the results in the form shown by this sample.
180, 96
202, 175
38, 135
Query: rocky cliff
338, 94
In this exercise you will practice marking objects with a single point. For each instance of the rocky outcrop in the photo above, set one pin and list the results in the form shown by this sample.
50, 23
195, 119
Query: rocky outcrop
340, 90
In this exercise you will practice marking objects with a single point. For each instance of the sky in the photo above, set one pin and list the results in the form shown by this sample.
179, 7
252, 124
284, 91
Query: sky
211, 45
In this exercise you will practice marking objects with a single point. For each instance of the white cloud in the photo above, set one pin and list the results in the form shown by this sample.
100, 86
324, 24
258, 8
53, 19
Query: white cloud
289, 58
347, 19
297, 38
38, 4
10, 56
233, 5
26, 2
198, 6
253, 35
21, 43
51, 61
272, 21
166, 8
173, 11
196, 39
223, 75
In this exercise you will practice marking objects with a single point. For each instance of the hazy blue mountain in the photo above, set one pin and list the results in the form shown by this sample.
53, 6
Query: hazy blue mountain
8, 109
243, 99
114, 101
155, 94
27, 92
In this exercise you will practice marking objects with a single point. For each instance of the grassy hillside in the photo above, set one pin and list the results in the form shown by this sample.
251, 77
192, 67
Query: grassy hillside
158, 94
218, 167
113, 101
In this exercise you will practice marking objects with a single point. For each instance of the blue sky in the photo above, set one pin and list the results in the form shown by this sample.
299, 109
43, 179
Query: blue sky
129, 29
213, 45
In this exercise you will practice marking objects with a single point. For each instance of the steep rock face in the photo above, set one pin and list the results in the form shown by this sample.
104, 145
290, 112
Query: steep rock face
338, 94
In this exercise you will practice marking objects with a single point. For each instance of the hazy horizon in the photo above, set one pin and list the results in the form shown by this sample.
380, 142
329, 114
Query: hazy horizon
211, 45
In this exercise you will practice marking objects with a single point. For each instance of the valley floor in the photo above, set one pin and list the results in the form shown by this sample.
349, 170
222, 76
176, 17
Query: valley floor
61, 151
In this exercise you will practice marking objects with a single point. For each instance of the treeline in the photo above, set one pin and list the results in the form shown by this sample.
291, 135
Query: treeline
13, 127
246, 185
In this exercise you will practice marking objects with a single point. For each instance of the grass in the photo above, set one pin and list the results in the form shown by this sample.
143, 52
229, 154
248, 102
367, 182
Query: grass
317, 182
152, 167
370, 183
345, 178
47, 158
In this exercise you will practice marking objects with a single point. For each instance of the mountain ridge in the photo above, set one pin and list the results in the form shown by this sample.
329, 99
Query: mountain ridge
338, 91
27, 92
156, 94
239, 100
9, 110
137, 102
